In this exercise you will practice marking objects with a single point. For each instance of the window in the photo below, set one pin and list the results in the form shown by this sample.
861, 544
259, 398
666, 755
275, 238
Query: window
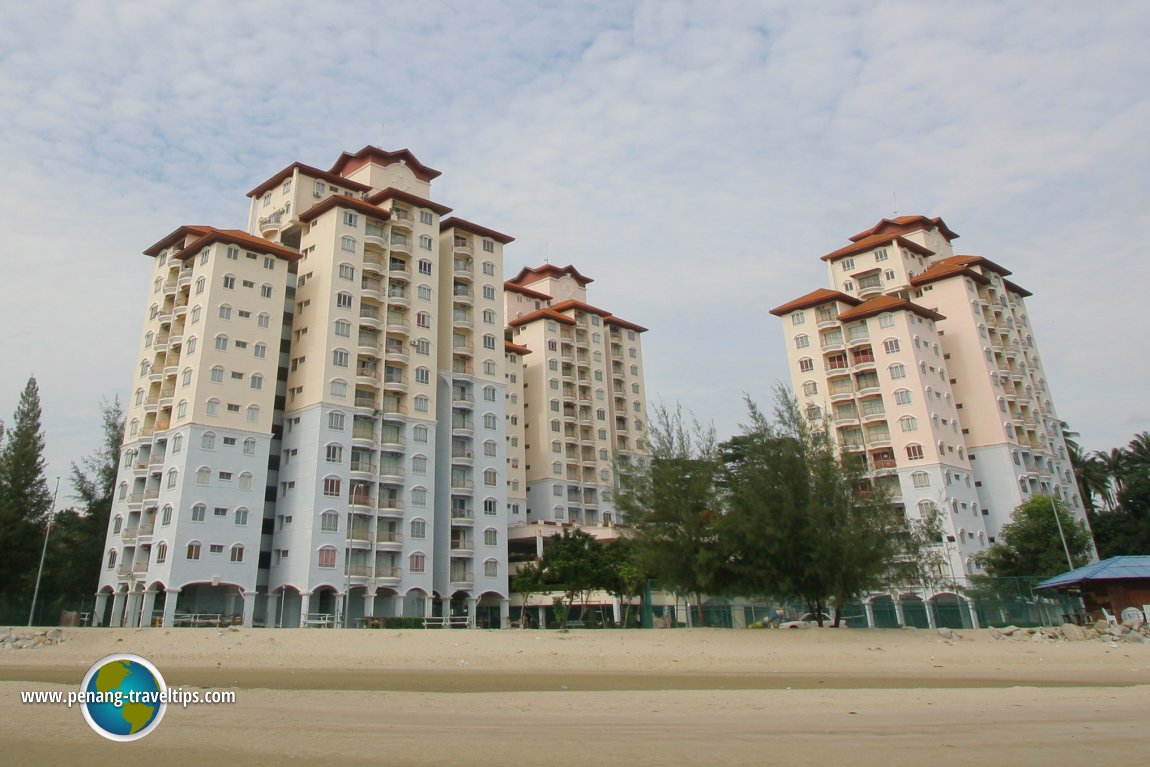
490, 448
161, 553
346, 272
200, 284
488, 267
199, 512
422, 404
798, 318
339, 389
419, 496
241, 517
920, 479
419, 434
422, 375
490, 478
488, 341
347, 244
489, 292
802, 341
343, 300
908, 423
902, 396
237, 553
331, 487
489, 507
897, 371
880, 254
192, 345
343, 328
195, 315
426, 217
419, 464
225, 312
230, 281
350, 219
264, 320
253, 413
417, 563
329, 522
222, 343
890, 345
425, 242
327, 556
806, 365
193, 550
418, 528
182, 409
265, 291
491, 537
848, 264
489, 421
423, 319
339, 358
886, 321
217, 375
422, 347
208, 441
257, 381
177, 443
424, 292
424, 266
166, 516
334, 453
260, 350
914, 452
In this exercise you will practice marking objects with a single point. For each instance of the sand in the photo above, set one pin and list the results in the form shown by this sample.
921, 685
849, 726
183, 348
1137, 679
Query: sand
674, 697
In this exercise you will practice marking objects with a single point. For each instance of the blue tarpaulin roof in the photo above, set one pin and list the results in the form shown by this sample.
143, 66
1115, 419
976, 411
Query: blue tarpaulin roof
1113, 569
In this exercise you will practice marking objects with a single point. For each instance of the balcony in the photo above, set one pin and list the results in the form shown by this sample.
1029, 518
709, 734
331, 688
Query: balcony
463, 268
389, 539
358, 571
462, 320
389, 573
401, 219
462, 247
390, 472
397, 297
390, 507
398, 325
362, 467
462, 578
395, 352
459, 483
130, 533
372, 263
392, 440
462, 545
462, 517
400, 245
463, 457
124, 569
462, 297
462, 350
365, 401
361, 501
395, 383
399, 270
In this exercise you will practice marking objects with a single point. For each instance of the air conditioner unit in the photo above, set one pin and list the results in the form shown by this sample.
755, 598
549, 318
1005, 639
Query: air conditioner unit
215, 580
414, 342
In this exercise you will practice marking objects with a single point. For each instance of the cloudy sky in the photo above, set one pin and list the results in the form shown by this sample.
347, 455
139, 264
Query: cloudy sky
695, 159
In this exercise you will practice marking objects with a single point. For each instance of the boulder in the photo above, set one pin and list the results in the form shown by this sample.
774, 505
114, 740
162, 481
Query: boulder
1072, 632
947, 633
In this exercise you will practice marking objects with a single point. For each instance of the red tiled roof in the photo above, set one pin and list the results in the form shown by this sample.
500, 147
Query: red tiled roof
307, 170
1018, 289
549, 270
941, 270
613, 320
236, 237
881, 304
571, 303
349, 163
516, 348
180, 235
814, 298
873, 241
544, 313
904, 224
391, 193
458, 223
985, 263
339, 201
526, 291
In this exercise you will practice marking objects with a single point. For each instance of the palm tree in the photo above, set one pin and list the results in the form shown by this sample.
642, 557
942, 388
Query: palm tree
1114, 464
1138, 452
1090, 475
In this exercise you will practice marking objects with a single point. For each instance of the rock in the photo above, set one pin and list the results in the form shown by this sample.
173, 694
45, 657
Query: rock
1009, 630
1091, 633
947, 633
1133, 623
55, 634
1117, 631
996, 634
1072, 632
1101, 626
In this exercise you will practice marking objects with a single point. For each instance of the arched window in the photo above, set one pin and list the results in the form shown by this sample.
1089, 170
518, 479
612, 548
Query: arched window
213, 407
490, 507
111, 558
331, 486
173, 478
257, 381
347, 245
161, 553
491, 568
806, 365
327, 556
193, 550
209, 440
417, 562
246, 481
491, 537
253, 413
203, 476
419, 464
221, 343
225, 312
418, 528
241, 516
908, 423
249, 446
237, 553
802, 341
914, 452
490, 477
920, 479
166, 515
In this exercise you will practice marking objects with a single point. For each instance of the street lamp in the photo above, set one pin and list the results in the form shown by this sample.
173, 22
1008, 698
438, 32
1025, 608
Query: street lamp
44, 551
1061, 534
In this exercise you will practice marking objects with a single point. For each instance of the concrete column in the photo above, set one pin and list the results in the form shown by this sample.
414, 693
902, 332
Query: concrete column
304, 598
98, 609
930, 621
428, 606
869, 608
369, 603
148, 607
270, 613
132, 611
542, 613
504, 613
472, 609
229, 604
249, 608
171, 596
616, 610
973, 613
117, 617
898, 614
397, 603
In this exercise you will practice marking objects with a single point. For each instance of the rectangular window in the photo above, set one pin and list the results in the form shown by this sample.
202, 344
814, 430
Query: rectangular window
426, 217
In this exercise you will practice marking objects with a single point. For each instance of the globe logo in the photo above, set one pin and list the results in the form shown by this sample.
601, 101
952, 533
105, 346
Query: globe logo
123, 697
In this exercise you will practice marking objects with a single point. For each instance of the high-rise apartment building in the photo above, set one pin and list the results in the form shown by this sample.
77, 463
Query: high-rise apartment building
584, 400
925, 366
317, 433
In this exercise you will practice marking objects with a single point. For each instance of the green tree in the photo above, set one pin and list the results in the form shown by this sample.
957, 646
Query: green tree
76, 544
1123, 526
625, 578
670, 502
24, 496
1029, 544
575, 564
801, 521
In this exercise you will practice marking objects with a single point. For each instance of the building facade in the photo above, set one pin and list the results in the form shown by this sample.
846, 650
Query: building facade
318, 426
925, 366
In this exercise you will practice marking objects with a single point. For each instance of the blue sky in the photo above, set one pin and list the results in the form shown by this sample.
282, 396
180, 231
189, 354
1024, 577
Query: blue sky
695, 159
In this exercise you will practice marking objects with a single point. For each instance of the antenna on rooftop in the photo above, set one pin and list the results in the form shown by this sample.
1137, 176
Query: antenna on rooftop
382, 130
894, 195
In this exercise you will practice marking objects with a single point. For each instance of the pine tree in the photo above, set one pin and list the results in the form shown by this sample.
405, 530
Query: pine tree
24, 496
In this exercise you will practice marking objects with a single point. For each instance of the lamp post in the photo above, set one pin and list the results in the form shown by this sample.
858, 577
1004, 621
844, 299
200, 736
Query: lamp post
44, 551
1061, 534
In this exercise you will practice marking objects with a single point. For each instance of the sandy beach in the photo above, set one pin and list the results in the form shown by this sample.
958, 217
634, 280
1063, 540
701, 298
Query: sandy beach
674, 697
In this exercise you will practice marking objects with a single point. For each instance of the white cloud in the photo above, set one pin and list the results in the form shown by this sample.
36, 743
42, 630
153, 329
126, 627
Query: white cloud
694, 158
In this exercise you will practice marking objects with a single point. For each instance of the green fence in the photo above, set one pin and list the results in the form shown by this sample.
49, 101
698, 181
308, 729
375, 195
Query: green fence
51, 610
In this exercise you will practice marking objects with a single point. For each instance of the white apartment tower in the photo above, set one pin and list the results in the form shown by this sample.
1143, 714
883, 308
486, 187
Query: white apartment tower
584, 400
924, 364
335, 449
